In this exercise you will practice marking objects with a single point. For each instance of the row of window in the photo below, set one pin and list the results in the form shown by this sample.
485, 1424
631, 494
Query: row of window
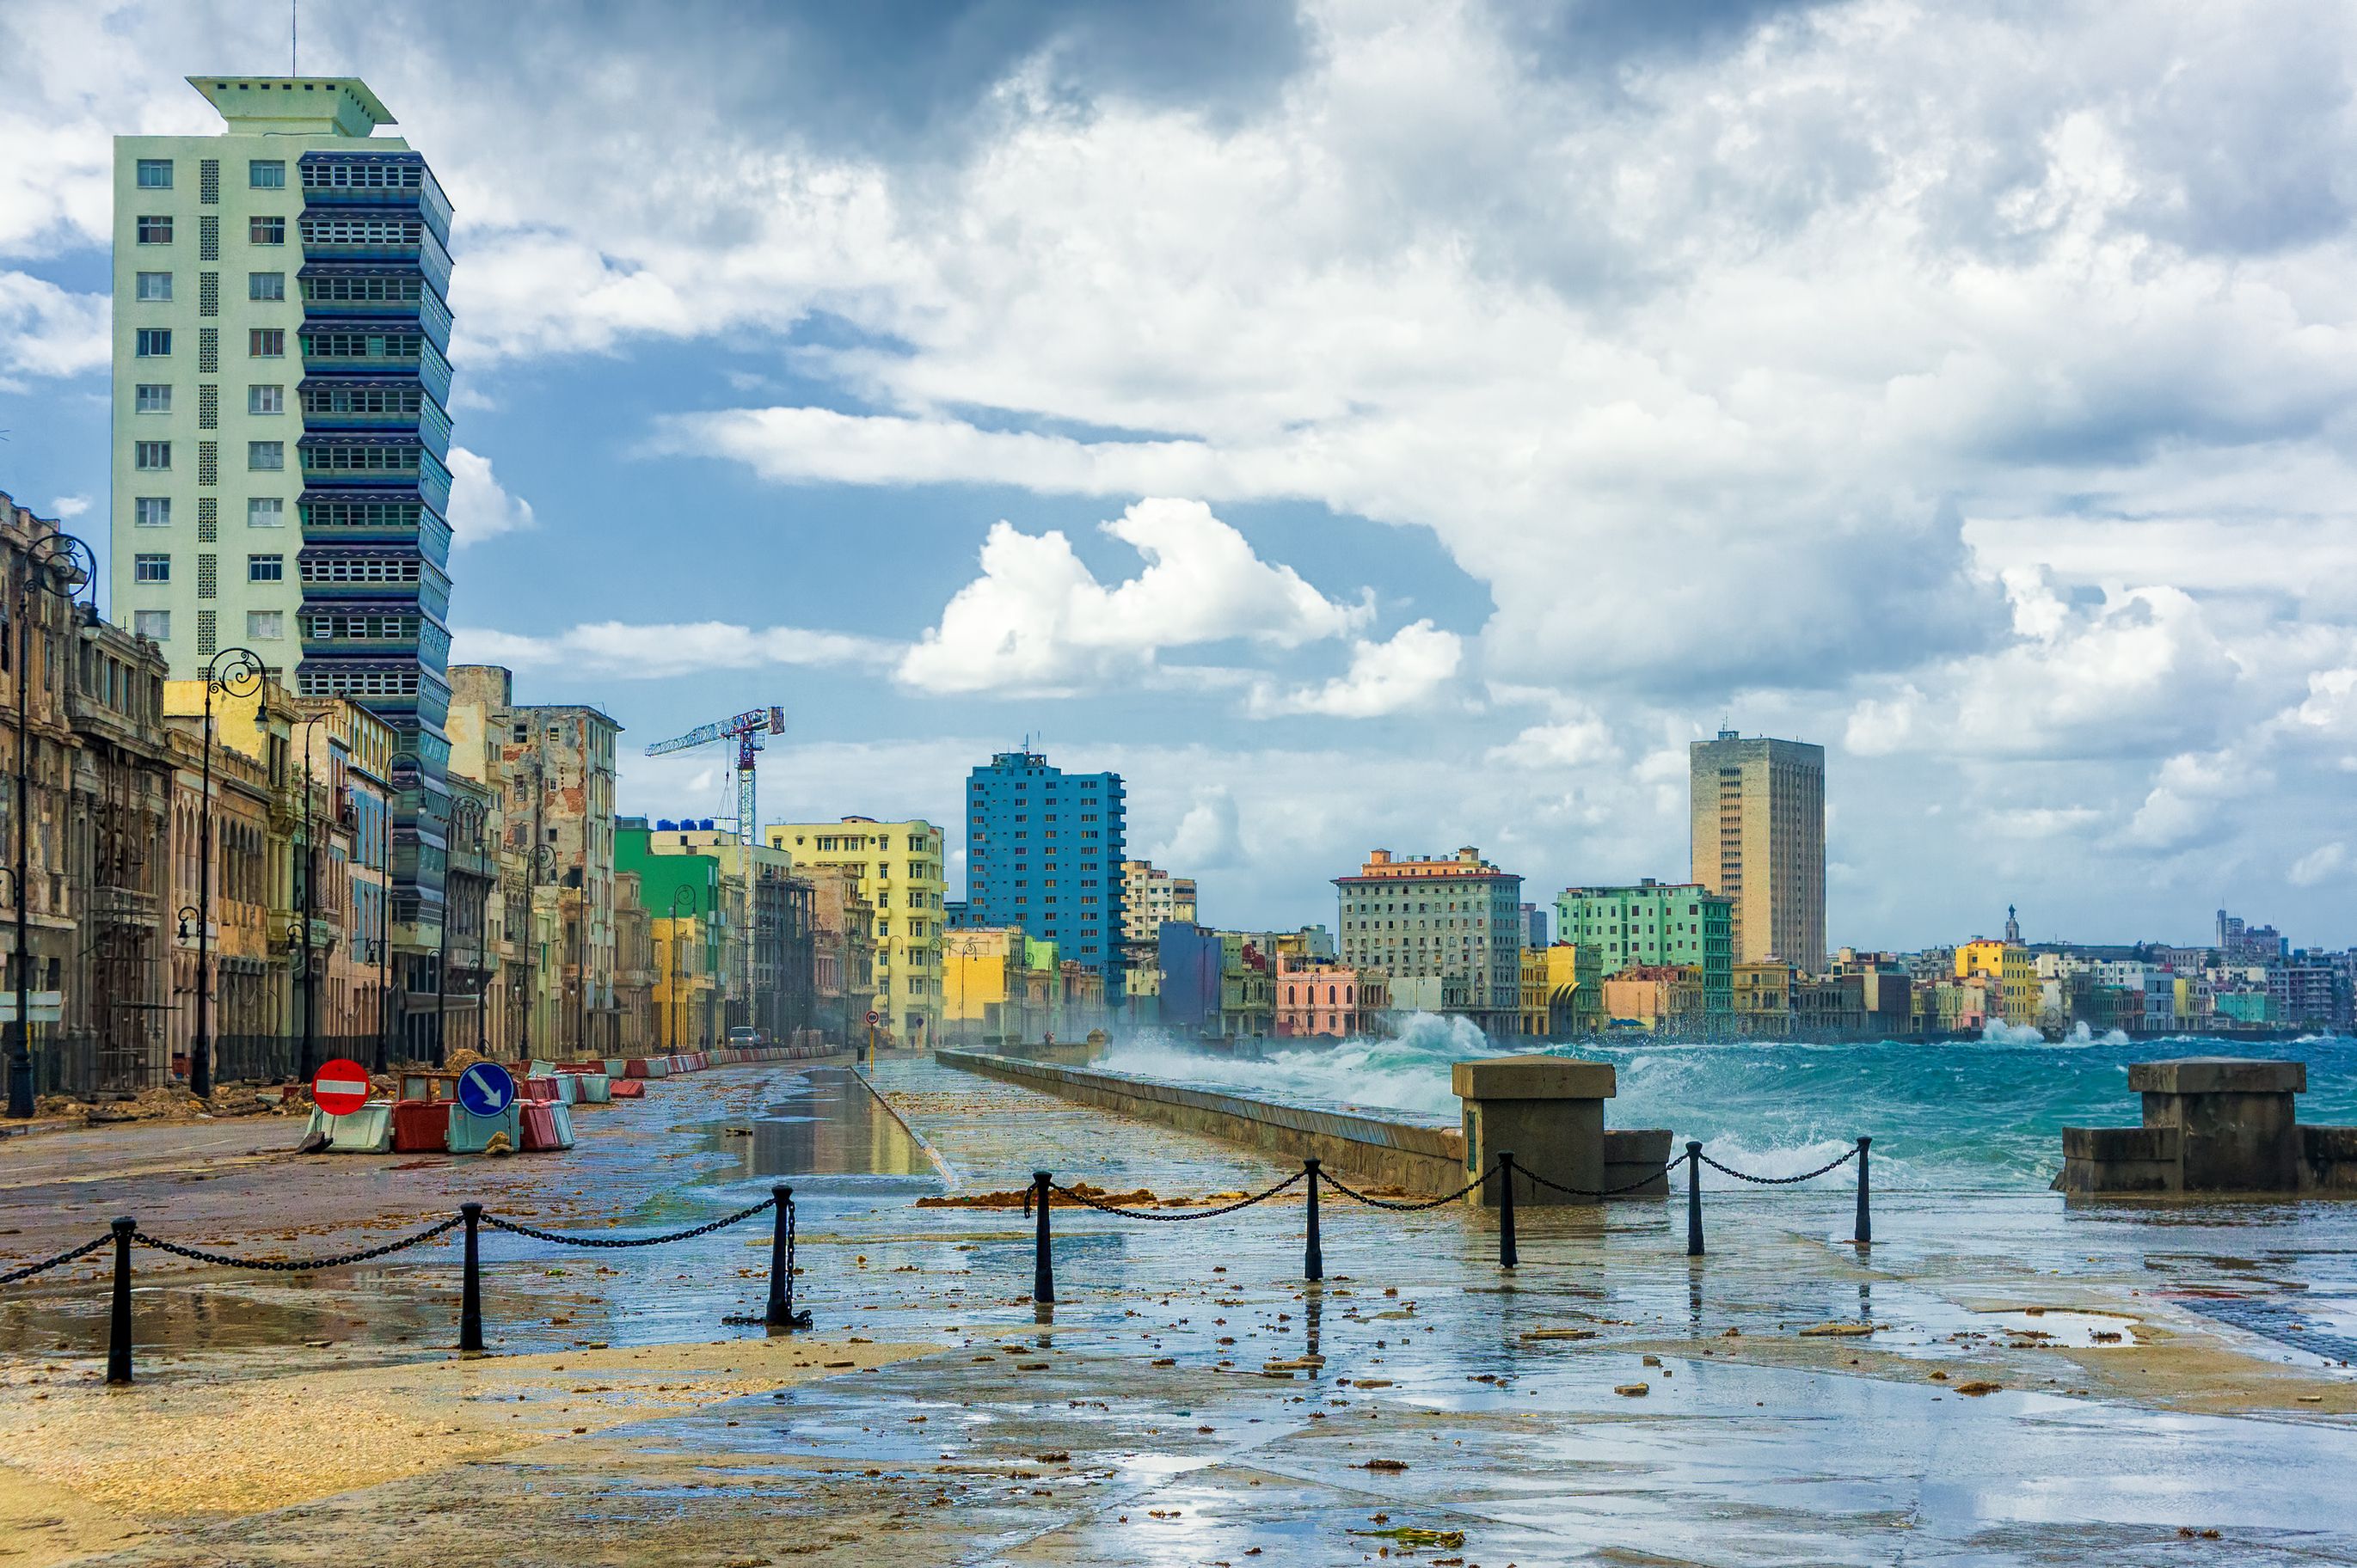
362, 629
261, 512
362, 345
156, 397
261, 626
158, 568
261, 343
350, 175
261, 456
334, 683
260, 174
156, 288
155, 229
362, 514
364, 289
342, 229
360, 569
362, 400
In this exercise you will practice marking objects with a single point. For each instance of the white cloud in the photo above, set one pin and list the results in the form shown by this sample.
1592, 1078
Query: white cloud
2195, 800
1039, 620
480, 506
68, 508
1384, 678
2318, 865
1581, 740
617, 649
1210, 837
46, 330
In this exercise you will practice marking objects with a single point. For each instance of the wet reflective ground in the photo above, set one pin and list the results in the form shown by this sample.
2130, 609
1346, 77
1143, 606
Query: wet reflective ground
1142, 1422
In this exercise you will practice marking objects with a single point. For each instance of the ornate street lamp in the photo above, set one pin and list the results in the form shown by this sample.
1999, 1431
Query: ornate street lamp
239, 673
60, 564
467, 812
677, 1007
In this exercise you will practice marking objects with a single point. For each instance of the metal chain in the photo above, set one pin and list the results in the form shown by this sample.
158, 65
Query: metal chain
45, 1264
1199, 1214
1780, 1180
294, 1265
1409, 1207
1646, 1180
574, 1239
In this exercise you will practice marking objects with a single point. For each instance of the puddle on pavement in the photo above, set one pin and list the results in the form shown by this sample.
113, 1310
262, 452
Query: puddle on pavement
830, 1124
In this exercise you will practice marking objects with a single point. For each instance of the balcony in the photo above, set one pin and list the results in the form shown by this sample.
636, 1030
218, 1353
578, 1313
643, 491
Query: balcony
395, 182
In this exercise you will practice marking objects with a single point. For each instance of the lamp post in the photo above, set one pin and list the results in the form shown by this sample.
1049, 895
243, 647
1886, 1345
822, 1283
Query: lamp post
308, 1061
541, 855
467, 812
60, 564
239, 671
401, 771
677, 1009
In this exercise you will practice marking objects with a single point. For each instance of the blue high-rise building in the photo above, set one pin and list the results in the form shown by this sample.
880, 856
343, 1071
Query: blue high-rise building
1043, 852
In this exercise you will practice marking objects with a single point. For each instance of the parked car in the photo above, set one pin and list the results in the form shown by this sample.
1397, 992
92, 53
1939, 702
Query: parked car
741, 1039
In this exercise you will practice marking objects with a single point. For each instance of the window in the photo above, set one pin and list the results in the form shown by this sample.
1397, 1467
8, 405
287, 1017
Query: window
265, 286
266, 457
265, 343
154, 173
265, 512
151, 568
153, 343
152, 397
265, 400
266, 568
265, 230
151, 454
154, 289
154, 625
154, 231
266, 174
152, 512
265, 626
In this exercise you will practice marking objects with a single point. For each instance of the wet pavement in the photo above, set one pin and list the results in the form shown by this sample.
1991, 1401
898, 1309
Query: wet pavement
1190, 1400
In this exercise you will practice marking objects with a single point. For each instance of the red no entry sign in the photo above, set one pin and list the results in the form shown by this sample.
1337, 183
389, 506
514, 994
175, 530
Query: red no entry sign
341, 1088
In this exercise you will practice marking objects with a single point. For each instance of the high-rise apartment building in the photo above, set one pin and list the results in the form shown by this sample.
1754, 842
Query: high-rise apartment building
281, 424
1151, 896
1429, 919
1044, 852
900, 868
1758, 820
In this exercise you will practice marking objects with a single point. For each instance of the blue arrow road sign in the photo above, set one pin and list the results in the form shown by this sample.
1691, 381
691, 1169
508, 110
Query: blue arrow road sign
486, 1089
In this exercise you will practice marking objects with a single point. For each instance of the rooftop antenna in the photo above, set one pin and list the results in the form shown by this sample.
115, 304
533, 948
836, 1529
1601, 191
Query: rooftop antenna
292, 23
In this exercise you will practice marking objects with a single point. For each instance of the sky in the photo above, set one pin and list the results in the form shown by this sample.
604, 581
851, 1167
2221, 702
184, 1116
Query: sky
1376, 424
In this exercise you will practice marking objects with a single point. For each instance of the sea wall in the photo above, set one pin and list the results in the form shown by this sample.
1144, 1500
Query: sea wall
1357, 1148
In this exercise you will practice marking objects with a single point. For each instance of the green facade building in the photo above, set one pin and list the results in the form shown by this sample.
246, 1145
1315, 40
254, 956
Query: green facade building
1653, 923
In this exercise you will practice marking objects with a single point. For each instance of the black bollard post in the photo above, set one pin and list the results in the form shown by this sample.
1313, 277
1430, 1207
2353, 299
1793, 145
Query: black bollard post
781, 1260
470, 1293
118, 1338
1507, 1257
1043, 1270
1694, 1199
1864, 1237
1313, 1257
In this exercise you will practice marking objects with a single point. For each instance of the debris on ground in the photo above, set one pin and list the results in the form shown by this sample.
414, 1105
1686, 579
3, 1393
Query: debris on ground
1412, 1535
1838, 1331
1633, 1390
1016, 1198
1976, 1388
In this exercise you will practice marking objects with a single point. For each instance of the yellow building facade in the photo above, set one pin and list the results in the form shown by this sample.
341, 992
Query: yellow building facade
2015, 969
901, 875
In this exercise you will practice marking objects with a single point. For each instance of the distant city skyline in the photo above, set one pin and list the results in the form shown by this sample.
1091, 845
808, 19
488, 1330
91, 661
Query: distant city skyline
1360, 426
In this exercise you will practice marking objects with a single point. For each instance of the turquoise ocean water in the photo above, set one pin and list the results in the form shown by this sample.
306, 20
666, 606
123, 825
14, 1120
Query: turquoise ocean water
1983, 1116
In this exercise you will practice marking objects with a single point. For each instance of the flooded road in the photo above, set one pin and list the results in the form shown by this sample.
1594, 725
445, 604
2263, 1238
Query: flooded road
1190, 1400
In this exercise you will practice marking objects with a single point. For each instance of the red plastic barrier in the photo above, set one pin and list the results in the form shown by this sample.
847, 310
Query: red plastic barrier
421, 1126
540, 1088
539, 1121
629, 1088
639, 1068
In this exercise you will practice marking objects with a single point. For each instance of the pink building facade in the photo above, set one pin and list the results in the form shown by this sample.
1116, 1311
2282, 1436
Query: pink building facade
1315, 998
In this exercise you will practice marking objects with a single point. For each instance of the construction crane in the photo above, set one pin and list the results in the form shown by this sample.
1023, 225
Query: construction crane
749, 729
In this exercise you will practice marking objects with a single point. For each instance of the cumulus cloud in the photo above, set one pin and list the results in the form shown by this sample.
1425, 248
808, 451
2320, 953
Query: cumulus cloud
1390, 677
46, 330
68, 508
480, 506
616, 650
2318, 865
1581, 740
1039, 620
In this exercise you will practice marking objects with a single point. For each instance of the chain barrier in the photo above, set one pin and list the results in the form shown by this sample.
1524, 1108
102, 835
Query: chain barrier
576, 1238
1646, 1180
45, 1264
1294, 1180
1397, 1206
1776, 1180
295, 1265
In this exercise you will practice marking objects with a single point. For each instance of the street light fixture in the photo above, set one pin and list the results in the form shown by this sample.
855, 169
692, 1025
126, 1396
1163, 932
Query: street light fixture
308, 1061
61, 564
465, 812
239, 673
677, 1008
543, 856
